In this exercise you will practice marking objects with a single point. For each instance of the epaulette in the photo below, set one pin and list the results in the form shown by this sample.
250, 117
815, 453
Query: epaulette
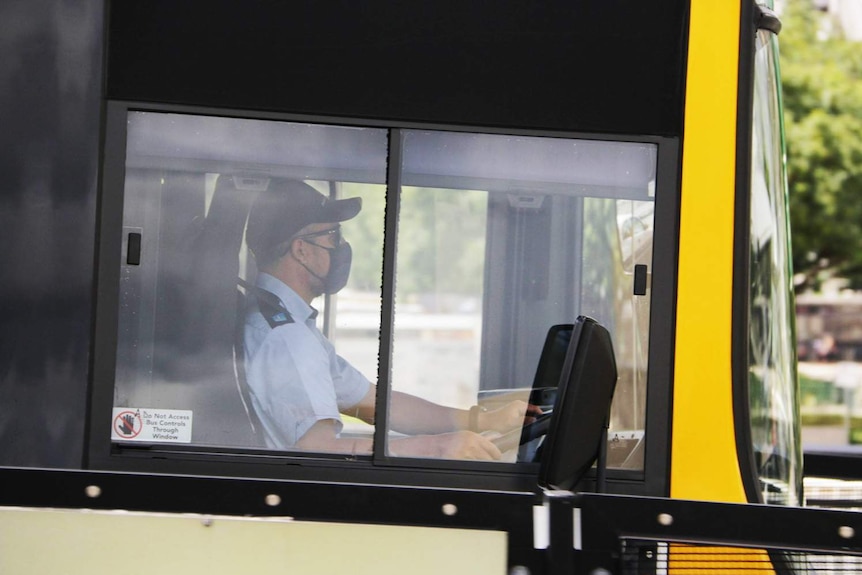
270, 305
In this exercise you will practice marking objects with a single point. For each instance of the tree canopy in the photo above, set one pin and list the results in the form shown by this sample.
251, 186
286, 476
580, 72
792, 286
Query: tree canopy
822, 85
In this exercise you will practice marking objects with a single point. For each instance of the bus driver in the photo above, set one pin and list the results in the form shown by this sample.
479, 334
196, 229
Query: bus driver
299, 385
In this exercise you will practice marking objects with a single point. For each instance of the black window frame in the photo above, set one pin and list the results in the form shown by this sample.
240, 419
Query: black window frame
103, 454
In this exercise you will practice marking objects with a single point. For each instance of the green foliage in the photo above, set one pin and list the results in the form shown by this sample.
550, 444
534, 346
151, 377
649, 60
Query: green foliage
817, 392
822, 86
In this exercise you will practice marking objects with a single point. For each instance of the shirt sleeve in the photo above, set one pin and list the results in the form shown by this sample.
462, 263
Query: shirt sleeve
350, 385
291, 383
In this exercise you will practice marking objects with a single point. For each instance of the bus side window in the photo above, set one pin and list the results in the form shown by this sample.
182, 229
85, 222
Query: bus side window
501, 238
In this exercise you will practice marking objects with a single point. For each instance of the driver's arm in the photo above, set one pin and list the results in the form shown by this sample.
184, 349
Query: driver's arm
457, 445
414, 415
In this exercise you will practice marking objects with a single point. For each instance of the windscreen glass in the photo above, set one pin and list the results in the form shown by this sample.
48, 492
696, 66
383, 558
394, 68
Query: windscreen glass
772, 379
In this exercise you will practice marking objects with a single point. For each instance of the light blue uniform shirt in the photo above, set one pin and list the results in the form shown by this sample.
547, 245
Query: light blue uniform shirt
295, 377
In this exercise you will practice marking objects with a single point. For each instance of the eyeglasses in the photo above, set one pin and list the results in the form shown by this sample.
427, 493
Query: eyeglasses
335, 233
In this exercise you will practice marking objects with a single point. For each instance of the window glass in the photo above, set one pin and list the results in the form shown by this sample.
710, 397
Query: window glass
199, 345
354, 323
438, 324
252, 271
501, 238
772, 367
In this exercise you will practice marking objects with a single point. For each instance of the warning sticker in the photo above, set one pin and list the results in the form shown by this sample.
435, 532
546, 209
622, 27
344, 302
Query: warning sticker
145, 424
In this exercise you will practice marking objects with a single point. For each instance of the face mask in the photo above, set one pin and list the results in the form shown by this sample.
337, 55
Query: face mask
340, 259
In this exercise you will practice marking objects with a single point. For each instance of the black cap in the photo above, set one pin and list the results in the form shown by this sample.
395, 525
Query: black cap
284, 208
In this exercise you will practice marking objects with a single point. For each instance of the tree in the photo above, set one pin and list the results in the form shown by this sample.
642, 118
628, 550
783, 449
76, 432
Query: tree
822, 85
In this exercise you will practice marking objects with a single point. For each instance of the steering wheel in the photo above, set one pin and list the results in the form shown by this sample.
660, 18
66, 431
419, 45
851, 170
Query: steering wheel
521, 437
536, 429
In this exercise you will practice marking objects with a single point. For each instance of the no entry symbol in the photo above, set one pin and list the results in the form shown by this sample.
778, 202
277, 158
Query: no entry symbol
128, 424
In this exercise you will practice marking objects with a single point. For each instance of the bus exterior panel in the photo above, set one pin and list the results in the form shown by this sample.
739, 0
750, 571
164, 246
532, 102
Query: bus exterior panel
668, 85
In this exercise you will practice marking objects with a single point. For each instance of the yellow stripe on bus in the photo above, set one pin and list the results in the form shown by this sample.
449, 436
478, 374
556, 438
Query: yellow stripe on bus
704, 464
695, 560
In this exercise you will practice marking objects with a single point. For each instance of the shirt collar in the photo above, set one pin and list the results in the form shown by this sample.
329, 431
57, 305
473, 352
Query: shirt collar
297, 307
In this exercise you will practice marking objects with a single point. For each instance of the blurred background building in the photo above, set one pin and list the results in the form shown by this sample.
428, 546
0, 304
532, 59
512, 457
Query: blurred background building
845, 15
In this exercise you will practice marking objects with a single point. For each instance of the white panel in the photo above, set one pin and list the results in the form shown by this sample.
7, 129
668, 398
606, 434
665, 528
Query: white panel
35, 542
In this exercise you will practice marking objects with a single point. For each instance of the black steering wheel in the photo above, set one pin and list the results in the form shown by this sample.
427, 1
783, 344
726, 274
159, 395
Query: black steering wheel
536, 429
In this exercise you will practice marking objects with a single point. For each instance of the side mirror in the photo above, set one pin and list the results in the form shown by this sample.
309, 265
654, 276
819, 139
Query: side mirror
577, 435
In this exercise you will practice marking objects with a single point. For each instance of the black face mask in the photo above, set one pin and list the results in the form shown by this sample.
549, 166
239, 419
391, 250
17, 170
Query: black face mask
340, 259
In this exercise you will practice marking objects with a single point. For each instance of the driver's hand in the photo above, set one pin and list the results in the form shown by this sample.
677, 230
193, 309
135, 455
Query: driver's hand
510, 416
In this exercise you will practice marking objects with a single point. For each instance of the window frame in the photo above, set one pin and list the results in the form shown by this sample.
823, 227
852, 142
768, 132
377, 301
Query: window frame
103, 454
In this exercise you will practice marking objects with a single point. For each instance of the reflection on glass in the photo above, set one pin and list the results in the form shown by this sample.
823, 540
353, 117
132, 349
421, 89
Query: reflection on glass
772, 368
